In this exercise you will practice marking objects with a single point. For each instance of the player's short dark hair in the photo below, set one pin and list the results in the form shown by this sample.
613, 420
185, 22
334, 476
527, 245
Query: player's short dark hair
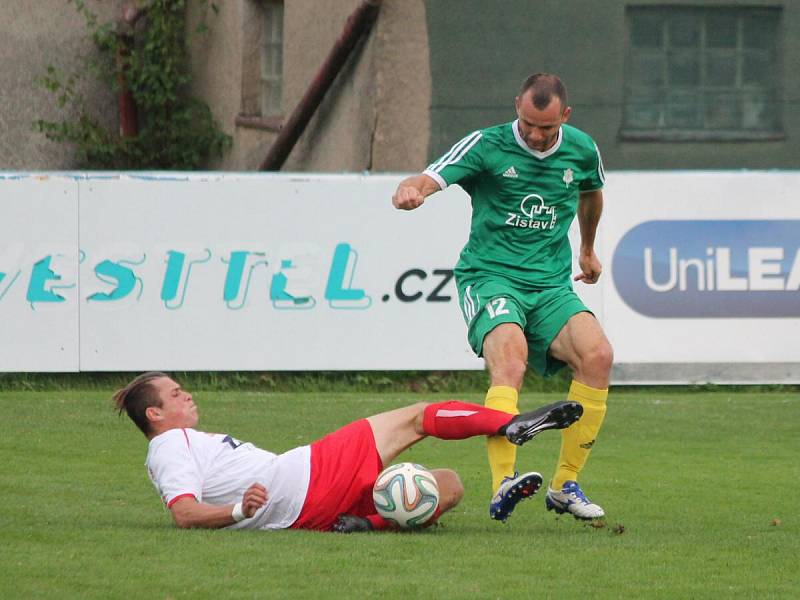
545, 86
136, 397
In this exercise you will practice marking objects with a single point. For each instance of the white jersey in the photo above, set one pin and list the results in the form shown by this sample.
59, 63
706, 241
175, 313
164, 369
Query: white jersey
217, 469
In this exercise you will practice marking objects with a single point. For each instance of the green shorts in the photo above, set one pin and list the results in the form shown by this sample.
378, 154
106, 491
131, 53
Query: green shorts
541, 314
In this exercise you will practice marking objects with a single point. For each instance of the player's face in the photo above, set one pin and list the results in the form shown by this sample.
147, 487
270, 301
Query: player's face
539, 127
177, 407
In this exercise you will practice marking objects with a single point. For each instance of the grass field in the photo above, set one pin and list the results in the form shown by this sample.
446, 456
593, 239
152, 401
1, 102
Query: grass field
699, 488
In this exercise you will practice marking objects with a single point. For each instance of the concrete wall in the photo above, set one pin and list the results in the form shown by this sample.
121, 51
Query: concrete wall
34, 35
403, 78
374, 117
428, 73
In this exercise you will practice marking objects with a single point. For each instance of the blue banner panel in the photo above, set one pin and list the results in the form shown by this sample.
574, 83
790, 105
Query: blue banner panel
716, 269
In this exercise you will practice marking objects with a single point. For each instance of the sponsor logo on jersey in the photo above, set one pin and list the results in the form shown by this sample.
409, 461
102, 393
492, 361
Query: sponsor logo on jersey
510, 172
569, 177
710, 269
533, 214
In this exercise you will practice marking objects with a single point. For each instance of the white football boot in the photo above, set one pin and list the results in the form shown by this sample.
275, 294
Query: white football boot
573, 501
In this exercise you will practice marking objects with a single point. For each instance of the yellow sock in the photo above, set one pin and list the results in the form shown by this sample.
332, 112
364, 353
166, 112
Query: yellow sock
502, 453
578, 439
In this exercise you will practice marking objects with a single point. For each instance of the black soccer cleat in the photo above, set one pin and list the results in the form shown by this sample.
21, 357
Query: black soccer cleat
524, 427
351, 524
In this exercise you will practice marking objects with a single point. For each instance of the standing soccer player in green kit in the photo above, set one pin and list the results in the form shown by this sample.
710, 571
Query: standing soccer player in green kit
527, 179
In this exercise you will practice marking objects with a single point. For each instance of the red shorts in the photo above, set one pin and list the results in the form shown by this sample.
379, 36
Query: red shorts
344, 467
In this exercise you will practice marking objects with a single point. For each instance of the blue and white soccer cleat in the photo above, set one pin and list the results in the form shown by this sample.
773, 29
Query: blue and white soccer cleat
572, 500
511, 491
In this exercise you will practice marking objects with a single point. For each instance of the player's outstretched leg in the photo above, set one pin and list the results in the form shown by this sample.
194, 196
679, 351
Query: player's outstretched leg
456, 420
559, 415
570, 499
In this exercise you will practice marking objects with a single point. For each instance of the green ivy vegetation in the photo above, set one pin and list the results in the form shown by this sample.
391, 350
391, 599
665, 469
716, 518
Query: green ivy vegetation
176, 131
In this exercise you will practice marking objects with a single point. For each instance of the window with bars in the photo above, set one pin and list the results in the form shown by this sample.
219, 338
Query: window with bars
272, 58
702, 73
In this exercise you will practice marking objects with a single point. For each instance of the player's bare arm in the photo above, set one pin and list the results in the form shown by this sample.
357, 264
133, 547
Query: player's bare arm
189, 513
412, 191
590, 208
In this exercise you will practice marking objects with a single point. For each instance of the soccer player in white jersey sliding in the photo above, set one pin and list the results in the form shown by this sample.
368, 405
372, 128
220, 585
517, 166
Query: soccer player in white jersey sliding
527, 180
213, 480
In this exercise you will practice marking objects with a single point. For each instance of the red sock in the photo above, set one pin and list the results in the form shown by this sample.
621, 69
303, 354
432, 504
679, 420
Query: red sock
436, 514
455, 420
379, 523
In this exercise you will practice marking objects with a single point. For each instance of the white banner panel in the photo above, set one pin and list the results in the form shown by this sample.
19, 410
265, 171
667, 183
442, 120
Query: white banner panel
702, 267
38, 273
268, 272
295, 272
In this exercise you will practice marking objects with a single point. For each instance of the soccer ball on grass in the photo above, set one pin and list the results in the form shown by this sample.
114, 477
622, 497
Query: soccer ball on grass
406, 494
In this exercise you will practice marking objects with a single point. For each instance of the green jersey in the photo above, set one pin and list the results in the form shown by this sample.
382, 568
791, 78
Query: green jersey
523, 202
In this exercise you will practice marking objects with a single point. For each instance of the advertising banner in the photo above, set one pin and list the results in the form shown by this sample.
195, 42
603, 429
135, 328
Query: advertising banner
703, 267
268, 273
38, 273
219, 271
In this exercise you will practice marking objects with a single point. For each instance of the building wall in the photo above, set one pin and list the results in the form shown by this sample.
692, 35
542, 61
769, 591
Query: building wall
429, 72
374, 117
584, 41
34, 35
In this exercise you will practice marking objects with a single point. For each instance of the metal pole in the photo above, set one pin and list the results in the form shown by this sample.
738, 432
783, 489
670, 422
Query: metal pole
128, 117
358, 24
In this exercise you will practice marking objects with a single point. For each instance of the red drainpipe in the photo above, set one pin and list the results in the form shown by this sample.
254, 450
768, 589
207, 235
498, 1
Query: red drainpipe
128, 119
358, 24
